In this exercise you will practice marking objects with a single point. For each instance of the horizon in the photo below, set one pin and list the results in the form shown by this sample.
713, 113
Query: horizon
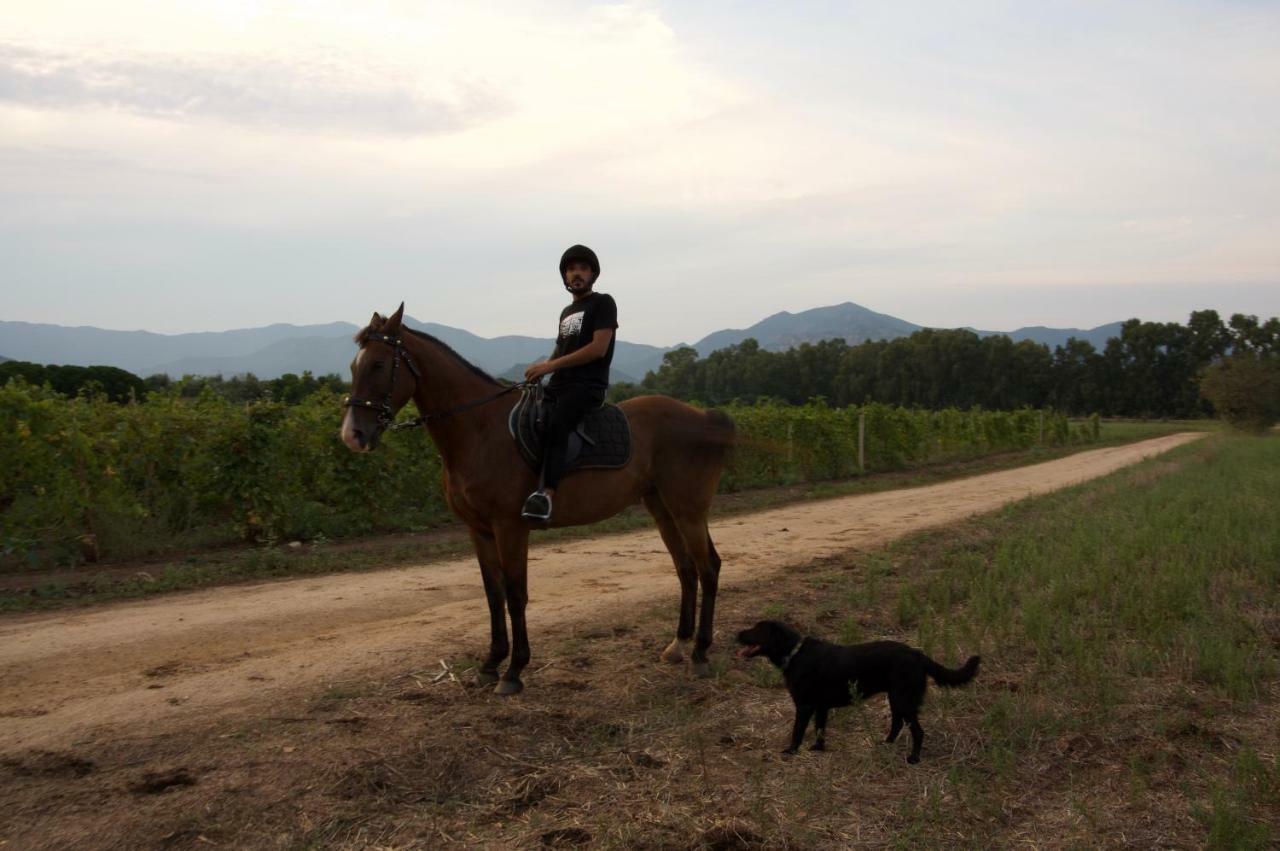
689, 342
994, 165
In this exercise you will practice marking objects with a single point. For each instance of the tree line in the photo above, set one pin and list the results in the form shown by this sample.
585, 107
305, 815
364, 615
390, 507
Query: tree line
289, 388
120, 385
1153, 369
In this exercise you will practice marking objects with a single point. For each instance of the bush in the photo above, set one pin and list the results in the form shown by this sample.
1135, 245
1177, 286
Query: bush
92, 478
784, 444
1245, 390
87, 477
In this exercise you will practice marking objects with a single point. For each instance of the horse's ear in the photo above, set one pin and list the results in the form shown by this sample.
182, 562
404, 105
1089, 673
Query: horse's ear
393, 321
375, 322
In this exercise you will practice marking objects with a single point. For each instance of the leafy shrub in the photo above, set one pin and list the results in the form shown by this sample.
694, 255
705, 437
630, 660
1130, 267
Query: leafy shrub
1245, 390
86, 477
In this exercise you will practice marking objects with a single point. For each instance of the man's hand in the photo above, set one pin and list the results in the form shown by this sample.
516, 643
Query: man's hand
537, 370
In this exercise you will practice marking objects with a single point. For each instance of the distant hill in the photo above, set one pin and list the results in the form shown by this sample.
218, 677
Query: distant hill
142, 352
1054, 337
508, 356
324, 354
4, 359
616, 376
320, 355
856, 324
273, 350
850, 322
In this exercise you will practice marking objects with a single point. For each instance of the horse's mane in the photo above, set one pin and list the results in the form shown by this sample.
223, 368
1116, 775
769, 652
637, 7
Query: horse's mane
362, 337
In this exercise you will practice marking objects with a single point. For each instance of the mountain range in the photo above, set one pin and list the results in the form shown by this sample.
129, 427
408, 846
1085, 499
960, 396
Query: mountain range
273, 350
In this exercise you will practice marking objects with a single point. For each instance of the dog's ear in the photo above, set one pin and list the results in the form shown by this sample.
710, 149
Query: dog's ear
781, 632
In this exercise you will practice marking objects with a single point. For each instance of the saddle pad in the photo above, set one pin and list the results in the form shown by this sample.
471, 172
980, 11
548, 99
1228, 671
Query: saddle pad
608, 446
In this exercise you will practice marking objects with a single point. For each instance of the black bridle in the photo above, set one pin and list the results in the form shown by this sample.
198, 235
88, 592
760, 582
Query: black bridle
387, 415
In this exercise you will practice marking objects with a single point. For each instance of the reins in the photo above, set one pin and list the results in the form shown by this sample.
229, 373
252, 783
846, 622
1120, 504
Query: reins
440, 415
385, 413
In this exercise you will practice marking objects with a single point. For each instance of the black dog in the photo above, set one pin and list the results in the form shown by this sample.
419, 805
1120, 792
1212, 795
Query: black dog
818, 674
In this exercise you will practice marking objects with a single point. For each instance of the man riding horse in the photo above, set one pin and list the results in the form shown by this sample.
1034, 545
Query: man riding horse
579, 369
676, 455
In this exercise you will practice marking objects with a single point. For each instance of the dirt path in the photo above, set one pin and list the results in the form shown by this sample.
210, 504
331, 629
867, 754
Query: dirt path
70, 677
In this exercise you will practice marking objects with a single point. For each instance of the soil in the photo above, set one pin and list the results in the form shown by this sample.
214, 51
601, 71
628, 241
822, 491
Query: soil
74, 678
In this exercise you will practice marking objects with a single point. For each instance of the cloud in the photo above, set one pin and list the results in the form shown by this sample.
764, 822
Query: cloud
322, 154
321, 91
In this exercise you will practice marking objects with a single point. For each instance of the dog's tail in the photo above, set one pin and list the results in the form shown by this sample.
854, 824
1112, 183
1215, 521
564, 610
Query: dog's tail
952, 676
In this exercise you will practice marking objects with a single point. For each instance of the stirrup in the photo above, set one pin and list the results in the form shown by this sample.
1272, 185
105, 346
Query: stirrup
537, 507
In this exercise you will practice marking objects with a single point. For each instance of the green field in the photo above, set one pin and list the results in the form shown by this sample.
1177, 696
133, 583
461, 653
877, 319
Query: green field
1130, 630
202, 563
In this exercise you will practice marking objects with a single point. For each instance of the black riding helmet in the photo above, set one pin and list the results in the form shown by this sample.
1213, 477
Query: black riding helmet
580, 254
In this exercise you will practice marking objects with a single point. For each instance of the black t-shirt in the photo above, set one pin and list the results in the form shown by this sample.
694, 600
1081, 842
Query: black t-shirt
578, 324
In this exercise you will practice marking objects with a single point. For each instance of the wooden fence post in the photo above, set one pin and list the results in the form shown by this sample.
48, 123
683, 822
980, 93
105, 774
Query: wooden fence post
862, 441
1042, 426
791, 442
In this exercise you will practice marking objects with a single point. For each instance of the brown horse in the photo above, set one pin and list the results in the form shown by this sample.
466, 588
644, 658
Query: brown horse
678, 454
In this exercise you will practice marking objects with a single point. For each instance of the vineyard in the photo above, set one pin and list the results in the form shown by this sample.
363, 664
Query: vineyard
90, 479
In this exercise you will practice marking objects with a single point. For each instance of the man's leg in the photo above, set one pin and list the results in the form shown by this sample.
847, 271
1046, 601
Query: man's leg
568, 409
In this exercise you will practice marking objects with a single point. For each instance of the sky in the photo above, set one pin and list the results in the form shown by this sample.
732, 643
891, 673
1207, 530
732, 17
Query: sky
189, 165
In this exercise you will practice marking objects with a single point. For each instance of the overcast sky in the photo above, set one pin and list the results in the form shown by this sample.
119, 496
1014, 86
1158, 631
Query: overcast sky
183, 165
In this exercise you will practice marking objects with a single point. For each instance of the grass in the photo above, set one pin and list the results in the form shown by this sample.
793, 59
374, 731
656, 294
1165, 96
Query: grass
1130, 629
20, 592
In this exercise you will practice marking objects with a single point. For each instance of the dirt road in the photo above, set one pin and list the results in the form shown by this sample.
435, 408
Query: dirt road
70, 677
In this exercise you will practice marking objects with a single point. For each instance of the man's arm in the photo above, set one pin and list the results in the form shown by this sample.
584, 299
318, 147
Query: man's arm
596, 349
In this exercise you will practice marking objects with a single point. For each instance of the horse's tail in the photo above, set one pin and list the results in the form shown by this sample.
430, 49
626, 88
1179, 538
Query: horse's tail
721, 430
726, 433
722, 421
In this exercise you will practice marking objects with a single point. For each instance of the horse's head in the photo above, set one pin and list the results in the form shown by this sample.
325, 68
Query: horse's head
383, 378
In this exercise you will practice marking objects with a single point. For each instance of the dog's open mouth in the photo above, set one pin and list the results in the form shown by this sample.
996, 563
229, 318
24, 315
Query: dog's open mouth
748, 651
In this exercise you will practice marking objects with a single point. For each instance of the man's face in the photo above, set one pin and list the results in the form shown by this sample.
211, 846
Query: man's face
577, 277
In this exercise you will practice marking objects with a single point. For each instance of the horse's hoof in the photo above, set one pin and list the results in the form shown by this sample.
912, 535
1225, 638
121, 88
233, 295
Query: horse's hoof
486, 678
702, 670
674, 653
506, 688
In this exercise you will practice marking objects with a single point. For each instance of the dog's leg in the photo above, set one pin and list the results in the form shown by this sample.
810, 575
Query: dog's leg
894, 729
820, 722
917, 739
803, 714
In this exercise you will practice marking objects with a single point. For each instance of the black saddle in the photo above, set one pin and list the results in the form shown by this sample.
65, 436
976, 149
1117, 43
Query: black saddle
602, 441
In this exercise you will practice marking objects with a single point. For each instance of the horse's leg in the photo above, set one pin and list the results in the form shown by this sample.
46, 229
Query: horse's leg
684, 569
495, 593
513, 549
697, 542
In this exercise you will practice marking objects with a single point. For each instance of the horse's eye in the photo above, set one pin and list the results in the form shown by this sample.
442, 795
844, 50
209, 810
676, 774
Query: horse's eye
377, 365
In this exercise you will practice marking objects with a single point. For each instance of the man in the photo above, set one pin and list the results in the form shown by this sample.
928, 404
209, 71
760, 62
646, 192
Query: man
579, 368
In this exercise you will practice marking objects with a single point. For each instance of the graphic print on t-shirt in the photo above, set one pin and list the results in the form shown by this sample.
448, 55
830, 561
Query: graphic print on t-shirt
571, 324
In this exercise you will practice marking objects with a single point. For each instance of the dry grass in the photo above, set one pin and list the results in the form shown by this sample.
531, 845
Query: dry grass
1149, 745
